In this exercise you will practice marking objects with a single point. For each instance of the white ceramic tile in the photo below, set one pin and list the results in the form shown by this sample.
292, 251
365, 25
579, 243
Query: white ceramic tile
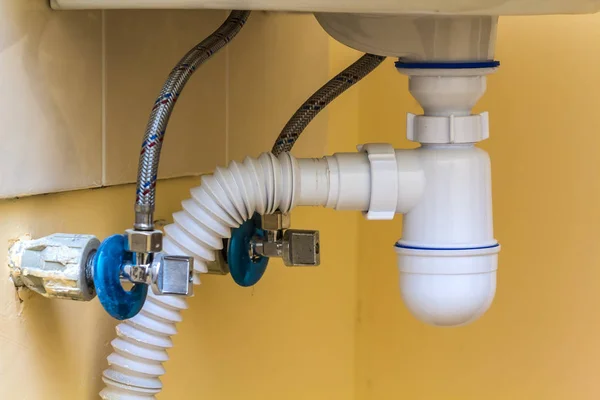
50, 98
141, 49
275, 64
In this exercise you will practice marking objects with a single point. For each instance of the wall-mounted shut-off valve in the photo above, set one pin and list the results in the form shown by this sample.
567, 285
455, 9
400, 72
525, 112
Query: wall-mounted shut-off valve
57, 266
297, 248
79, 267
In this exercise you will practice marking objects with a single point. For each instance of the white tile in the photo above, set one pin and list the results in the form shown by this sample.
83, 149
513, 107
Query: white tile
50, 99
141, 49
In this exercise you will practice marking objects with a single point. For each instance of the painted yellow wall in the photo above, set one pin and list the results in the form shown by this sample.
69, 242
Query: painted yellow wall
541, 338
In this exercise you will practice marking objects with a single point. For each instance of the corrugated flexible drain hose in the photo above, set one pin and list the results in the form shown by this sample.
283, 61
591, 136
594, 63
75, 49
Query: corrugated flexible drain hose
224, 201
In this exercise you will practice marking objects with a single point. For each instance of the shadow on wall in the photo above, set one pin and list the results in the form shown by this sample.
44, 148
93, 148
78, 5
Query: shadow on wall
64, 342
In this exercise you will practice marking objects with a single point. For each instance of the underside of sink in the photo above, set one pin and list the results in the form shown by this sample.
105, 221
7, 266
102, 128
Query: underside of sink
452, 7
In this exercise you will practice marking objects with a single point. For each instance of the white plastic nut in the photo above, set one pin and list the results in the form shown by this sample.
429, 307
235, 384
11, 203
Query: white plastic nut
452, 129
384, 181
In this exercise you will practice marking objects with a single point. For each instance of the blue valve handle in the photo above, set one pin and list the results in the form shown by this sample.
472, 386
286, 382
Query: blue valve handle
108, 264
245, 271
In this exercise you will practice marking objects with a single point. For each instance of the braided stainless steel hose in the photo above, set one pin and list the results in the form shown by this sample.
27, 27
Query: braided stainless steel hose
322, 97
161, 112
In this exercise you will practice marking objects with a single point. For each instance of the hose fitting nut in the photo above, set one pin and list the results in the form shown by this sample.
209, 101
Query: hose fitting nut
172, 275
276, 221
301, 248
144, 242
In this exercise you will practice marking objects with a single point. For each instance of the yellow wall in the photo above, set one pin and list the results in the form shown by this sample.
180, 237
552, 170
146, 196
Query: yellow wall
541, 338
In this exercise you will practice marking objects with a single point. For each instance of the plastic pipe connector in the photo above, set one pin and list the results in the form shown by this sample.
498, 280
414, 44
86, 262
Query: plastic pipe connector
54, 266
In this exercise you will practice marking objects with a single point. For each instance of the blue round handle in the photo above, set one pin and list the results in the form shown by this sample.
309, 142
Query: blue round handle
245, 271
108, 263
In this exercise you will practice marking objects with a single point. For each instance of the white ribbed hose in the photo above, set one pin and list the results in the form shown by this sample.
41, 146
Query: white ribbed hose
224, 201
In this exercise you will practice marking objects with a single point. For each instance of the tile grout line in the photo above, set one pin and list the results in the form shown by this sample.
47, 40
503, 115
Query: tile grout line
103, 107
227, 105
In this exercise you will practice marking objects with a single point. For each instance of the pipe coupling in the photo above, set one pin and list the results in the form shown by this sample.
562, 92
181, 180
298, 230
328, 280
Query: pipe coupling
56, 266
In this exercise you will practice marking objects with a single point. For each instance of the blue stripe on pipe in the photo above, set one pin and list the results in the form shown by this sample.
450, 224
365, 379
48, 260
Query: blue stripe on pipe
400, 246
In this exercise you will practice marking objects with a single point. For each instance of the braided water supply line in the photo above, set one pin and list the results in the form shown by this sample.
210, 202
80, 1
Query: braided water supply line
161, 112
321, 98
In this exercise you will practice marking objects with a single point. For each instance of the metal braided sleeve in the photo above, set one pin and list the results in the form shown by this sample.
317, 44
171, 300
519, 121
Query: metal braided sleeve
325, 95
163, 106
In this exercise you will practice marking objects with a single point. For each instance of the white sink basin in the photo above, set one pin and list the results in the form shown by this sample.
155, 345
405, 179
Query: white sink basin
471, 7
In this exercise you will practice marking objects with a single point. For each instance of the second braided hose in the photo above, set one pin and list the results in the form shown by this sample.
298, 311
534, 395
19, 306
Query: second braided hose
321, 98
